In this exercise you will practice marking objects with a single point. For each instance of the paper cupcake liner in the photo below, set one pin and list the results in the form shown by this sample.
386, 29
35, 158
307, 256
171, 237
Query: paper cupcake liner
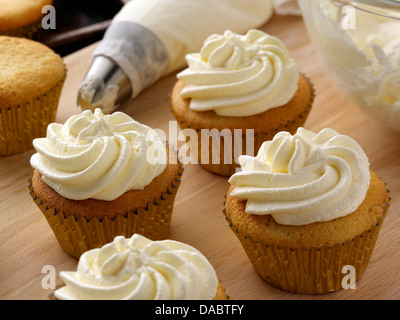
20, 124
77, 236
228, 168
221, 293
27, 31
314, 270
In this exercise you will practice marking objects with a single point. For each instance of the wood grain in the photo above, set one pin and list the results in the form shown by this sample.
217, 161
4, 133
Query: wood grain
27, 243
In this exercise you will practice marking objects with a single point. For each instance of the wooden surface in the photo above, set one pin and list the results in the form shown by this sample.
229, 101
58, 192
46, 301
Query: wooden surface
27, 244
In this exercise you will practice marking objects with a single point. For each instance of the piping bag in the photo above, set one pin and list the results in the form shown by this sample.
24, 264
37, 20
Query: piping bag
148, 39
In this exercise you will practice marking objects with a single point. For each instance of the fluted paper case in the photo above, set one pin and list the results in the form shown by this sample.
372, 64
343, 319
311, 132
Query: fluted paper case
20, 124
81, 235
314, 270
227, 169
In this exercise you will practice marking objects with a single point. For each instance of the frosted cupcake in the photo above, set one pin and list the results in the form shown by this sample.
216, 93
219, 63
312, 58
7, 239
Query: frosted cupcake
21, 18
141, 269
305, 207
31, 79
238, 83
99, 176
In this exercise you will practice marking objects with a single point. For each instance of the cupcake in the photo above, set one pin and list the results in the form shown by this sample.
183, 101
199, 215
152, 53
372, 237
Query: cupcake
141, 269
31, 80
21, 18
99, 176
240, 90
305, 208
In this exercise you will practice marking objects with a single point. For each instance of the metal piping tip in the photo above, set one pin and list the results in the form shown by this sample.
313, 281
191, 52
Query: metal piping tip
105, 86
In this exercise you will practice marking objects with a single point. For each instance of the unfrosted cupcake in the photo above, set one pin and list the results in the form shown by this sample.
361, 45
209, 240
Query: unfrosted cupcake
21, 18
238, 83
305, 207
99, 176
31, 80
141, 269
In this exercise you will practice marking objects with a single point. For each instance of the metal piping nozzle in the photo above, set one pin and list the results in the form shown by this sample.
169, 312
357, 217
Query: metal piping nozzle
105, 86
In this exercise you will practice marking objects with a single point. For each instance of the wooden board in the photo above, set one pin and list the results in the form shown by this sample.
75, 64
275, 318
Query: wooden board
27, 244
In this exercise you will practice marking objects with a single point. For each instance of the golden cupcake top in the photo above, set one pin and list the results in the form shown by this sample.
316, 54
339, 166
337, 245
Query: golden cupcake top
304, 178
240, 75
19, 13
97, 156
264, 228
28, 69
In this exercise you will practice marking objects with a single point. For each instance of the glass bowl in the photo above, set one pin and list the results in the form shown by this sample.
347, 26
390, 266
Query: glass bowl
359, 45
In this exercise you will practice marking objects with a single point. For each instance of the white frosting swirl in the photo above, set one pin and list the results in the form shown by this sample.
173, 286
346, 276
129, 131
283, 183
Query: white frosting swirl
140, 269
239, 76
99, 157
304, 178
